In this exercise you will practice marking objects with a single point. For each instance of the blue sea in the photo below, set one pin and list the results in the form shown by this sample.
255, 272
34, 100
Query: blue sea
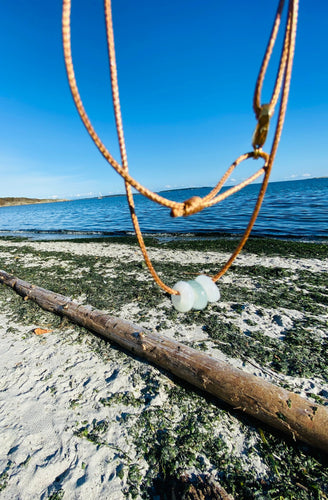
291, 209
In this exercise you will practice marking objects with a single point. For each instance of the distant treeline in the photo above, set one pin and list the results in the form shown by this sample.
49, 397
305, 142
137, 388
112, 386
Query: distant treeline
5, 202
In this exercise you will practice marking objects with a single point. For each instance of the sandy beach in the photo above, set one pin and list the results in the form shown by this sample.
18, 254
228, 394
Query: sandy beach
81, 419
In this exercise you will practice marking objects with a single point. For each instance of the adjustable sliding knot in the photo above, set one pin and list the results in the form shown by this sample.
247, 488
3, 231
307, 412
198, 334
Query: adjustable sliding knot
262, 127
188, 207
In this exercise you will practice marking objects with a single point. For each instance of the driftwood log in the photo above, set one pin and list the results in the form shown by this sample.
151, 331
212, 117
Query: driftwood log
297, 417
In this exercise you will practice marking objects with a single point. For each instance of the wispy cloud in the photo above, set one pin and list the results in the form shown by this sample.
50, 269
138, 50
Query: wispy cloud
297, 176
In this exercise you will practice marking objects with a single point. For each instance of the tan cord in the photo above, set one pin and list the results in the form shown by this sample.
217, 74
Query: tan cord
263, 114
124, 158
87, 123
265, 63
291, 31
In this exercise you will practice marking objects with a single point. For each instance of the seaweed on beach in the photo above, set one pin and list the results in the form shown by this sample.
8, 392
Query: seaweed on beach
172, 429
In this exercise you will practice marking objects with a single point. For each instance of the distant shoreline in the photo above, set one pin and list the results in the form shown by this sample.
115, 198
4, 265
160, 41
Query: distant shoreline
173, 190
8, 202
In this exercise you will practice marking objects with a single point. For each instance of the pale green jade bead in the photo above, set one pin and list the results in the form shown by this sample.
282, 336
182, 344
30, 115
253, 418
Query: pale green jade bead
200, 299
184, 301
211, 289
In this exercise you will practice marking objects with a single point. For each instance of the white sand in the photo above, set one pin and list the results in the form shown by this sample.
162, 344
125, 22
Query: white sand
51, 384
40, 377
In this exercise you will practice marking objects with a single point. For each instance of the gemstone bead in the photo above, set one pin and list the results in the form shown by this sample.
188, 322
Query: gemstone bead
184, 301
211, 289
200, 297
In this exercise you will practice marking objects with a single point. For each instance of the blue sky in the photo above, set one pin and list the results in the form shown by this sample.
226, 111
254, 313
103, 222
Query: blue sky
186, 69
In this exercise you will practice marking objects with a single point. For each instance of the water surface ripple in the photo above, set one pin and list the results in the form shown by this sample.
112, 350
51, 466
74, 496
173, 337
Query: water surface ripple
293, 209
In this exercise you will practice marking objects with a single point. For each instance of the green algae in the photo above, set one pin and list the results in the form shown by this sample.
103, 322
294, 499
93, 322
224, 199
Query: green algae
190, 430
259, 246
57, 495
173, 441
4, 475
298, 354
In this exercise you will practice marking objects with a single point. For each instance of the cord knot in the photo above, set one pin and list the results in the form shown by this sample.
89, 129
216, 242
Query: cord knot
262, 127
188, 207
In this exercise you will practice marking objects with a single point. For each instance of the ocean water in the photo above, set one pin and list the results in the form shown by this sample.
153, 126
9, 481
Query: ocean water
291, 209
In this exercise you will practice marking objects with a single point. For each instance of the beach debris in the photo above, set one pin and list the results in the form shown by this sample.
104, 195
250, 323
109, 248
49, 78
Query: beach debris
204, 488
41, 331
284, 410
190, 487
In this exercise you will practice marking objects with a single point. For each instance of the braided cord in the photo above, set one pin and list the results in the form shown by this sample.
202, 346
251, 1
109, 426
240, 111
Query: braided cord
290, 40
195, 204
121, 140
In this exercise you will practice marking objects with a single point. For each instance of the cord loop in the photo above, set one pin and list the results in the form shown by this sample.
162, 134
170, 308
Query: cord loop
263, 114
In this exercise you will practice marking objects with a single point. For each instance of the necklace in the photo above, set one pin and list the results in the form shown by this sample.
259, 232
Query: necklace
196, 293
